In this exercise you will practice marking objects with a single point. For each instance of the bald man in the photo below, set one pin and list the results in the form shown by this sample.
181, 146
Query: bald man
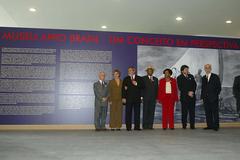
211, 88
101, 102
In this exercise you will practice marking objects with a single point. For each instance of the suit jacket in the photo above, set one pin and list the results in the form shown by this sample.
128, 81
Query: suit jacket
100, 91
236, 87
150, 89
211, 89
186, 84
162, 90
115, 91
131, 92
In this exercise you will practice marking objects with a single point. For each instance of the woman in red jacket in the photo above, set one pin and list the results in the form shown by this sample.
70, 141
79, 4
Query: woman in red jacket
167, 96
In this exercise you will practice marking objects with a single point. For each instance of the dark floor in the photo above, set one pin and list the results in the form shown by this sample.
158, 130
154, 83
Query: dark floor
121, 145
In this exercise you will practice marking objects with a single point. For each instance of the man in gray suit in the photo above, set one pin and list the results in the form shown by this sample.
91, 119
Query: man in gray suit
101, 102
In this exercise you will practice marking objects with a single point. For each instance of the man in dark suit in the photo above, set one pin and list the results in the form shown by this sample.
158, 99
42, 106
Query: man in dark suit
211, 88
131, 94
187, 86
149, 94
236, 92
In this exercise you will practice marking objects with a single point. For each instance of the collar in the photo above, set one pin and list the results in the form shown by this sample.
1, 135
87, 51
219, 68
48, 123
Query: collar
101, 81
209, 75
133, 76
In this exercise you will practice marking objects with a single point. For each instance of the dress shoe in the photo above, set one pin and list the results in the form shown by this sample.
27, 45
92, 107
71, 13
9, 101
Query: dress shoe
206, 128
137, 129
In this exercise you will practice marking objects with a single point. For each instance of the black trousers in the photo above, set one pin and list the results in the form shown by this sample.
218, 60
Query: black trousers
188, 108
212, 113
148, 113
135, 107
238, 105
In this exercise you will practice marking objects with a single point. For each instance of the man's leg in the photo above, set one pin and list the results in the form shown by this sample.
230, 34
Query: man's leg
145, 114
215, 113
97, 117
128, 116
192, 114
152, 107
184, 108
207, 107
103, 117
136, 116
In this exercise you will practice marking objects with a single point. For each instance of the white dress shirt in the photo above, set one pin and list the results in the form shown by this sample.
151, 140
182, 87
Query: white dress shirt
101, 82
208, 76
168, 88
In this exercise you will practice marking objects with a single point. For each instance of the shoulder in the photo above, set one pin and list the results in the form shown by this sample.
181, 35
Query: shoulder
190, 75
179, 77
214, 75
110, 82
161, 79
95, 83
173, 80
237, 78
139, 77
125, 78
144, 77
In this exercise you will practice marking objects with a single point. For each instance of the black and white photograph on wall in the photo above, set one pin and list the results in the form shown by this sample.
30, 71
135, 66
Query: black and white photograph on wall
225, 63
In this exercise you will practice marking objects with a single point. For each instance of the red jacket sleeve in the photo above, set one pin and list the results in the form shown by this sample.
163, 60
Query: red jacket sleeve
160, 90
175, 89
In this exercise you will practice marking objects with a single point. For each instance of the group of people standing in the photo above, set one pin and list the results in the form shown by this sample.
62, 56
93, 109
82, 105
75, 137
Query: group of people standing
134, 90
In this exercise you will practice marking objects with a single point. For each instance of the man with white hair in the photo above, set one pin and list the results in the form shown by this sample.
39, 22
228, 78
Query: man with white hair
101, 102
211, 88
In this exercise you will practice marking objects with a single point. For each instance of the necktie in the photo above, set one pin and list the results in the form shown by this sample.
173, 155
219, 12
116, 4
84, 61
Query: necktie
151, 78
102, 84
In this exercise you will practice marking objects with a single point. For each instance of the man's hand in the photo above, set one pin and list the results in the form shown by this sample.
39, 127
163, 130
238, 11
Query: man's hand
124, 100
104, 99
134, 82
191, 94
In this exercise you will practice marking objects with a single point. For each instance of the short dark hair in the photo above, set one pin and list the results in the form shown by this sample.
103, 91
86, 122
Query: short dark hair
169, 70
118, 71
183, 67
132, 67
